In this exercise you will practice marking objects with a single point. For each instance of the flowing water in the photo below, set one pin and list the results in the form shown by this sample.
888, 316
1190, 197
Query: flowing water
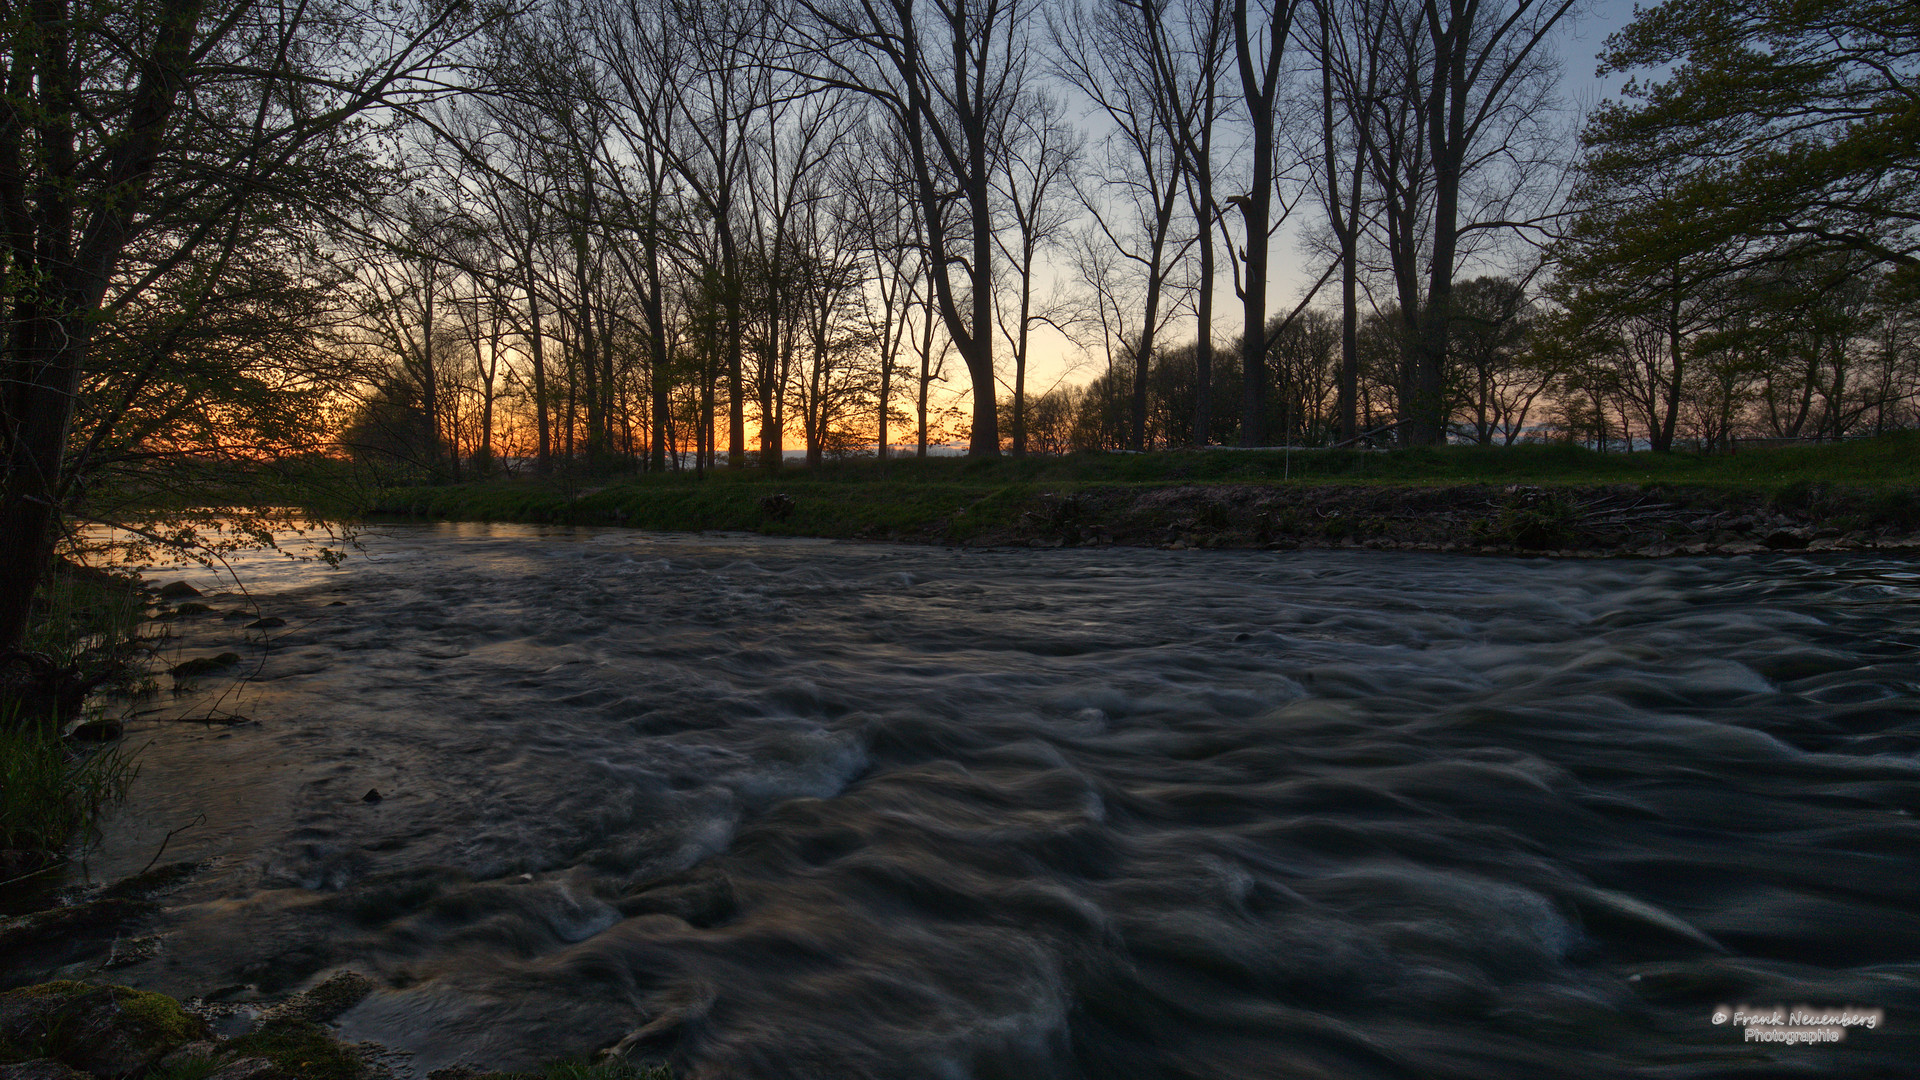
776, 808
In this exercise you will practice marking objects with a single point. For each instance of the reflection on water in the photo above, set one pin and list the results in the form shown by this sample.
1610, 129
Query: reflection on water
805, 809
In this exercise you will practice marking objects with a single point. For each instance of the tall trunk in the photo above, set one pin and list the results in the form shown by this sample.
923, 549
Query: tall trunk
977, 348
816, 406
48, 350
1143, 356
659, 380
1020, 349
1203, 332
736, 398
1661, 435
886, 396
543, 461
587, 353
926, 370
429, 378
1259, 89
773, 387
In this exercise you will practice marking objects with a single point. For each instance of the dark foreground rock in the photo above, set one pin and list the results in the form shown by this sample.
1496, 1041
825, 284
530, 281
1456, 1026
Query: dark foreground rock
110, 1031
96, 1031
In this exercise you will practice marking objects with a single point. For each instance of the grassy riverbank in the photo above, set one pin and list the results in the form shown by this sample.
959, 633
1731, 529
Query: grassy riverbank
53, 783
1861, 493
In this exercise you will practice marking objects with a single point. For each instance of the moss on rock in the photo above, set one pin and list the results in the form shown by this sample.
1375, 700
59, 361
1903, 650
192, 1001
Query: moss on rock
105, 1030
297, 1048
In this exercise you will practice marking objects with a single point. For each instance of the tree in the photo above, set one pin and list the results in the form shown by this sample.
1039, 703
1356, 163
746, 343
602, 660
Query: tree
1460, 139
1349, 43
1260, 33
1196, 58
1493, 362
1041, 154
947, 76
1115, 52
1783, 127
100, 150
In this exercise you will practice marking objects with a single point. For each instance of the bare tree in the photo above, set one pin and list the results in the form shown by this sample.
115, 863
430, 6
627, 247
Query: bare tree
1348, 40
1114, 52
1038, 158
946, 75
1457, 145
1261, 29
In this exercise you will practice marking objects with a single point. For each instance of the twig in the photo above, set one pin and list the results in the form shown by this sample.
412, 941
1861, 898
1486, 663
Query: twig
37, 873
199, 819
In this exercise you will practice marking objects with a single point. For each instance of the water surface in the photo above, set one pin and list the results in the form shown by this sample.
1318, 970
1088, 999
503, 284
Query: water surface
777, 808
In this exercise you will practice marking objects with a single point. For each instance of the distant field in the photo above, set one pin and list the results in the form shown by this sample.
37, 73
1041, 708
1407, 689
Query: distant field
956, 498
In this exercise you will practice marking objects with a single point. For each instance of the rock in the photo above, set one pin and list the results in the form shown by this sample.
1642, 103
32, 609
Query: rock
147, 882
99, 729
62, 925
130, 951
201, 665
778, 506
301, 1051
175, 589
322, 1003
1783, 539
107, 1030
43, 1069
199, 1050
267, 623
248, 1068
372, 795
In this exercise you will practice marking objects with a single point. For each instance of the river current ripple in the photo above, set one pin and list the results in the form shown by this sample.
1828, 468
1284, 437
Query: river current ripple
774, 808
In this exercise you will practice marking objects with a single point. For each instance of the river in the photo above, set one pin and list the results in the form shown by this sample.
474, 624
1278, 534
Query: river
781, 808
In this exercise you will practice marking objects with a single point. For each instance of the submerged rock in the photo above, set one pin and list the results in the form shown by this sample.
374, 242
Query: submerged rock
324, 1002
201, 665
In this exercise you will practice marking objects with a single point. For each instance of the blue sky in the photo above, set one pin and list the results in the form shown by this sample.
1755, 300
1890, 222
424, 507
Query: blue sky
1580, 42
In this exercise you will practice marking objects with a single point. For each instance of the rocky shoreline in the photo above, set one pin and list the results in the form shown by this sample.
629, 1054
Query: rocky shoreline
97, 1030
1569, 521
1587, 522
83, 1026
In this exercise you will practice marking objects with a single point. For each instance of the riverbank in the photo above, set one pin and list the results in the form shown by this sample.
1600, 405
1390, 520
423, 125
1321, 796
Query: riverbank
58, 764
1565, 501
78, 1030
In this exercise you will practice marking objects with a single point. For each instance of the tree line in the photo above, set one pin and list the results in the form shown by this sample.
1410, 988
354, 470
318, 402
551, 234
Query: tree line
664, 234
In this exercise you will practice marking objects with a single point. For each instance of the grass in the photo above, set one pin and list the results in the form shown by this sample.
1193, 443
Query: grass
84, 617
49, 792
959, 497
84, 622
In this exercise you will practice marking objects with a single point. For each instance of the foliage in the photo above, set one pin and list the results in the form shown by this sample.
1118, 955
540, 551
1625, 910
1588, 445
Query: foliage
1782, 127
